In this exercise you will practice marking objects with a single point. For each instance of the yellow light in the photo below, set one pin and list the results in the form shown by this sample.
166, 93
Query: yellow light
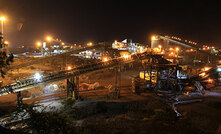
126, 56
105, 59
210, 80
49, 38
62, 43
89, 44
69, 68
141, 50
2, 19
207, 68
154, 38
177, 49
202, 74
6, 42
38, 43
171, 49
160, 46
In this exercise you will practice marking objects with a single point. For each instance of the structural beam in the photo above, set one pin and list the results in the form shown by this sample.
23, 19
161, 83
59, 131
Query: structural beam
19, 99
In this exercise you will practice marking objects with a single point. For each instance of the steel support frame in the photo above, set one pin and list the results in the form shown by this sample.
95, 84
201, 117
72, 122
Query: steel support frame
73, 87
118, 79
19, 99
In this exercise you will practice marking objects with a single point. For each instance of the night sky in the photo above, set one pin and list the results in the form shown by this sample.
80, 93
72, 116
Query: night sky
80, 21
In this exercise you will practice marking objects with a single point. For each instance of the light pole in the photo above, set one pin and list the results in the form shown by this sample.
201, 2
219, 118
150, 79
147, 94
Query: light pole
38, 45
2, 19
48, 41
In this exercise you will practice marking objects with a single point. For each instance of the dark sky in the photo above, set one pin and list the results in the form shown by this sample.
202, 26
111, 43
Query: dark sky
107, 20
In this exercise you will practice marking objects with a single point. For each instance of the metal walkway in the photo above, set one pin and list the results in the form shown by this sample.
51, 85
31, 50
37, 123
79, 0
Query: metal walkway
187, 45
32, 82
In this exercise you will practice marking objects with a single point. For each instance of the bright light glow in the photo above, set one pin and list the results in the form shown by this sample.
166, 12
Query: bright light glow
153, 38
105, 59
38, 43
141, 50
62, 43
206, 68
160, 46
69, 68
126, 56
90, 44
6, 42
37, 76
2, 19
210, 80
202, 74
177, 49
172, 54
115, 41
171, 49
49, 38
219, 69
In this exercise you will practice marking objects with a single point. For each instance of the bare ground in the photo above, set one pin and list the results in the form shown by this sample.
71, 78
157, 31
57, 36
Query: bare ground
131, 113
